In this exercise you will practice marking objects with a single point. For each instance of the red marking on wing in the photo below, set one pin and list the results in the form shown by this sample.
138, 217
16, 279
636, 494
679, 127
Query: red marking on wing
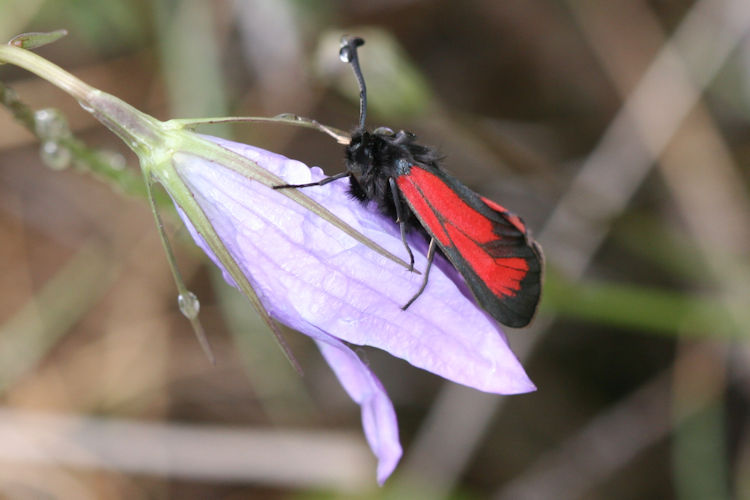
420, 206
502, 275
456, 225
512, 218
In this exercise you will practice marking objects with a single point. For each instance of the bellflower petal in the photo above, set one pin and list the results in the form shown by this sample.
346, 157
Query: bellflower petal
319, 281
378, 416
314, 276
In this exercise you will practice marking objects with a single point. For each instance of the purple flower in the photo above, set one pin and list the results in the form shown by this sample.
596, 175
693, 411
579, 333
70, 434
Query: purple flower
305, 272
314, 278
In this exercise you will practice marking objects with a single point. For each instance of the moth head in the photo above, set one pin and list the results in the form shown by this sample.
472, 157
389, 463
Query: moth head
359, 153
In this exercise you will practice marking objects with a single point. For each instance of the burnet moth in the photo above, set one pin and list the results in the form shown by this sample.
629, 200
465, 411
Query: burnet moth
487, 244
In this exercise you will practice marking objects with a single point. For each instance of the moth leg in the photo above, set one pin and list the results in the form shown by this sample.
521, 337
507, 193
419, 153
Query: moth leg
430, 257
400, 220
322, 182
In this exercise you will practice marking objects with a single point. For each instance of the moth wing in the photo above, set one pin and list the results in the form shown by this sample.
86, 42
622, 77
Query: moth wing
486, 243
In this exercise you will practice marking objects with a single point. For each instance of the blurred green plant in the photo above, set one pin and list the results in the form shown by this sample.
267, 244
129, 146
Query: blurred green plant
50, 127
649, 309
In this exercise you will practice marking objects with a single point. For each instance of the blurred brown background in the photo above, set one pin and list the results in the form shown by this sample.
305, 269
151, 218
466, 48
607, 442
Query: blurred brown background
618, 130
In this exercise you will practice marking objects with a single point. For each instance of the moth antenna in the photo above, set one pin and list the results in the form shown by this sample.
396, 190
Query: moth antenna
348, 54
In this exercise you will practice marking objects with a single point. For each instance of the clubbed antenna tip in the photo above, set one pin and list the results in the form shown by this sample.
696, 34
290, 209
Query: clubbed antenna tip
348, 54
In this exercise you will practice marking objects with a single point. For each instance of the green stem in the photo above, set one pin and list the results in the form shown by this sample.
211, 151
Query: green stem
21, 112
47, 70
122, 179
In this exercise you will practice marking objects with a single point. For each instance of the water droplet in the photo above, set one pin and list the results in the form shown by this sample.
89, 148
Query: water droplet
54, 155
287, 116
50, 124
112, 158
189, 305
9, 96
86, 106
